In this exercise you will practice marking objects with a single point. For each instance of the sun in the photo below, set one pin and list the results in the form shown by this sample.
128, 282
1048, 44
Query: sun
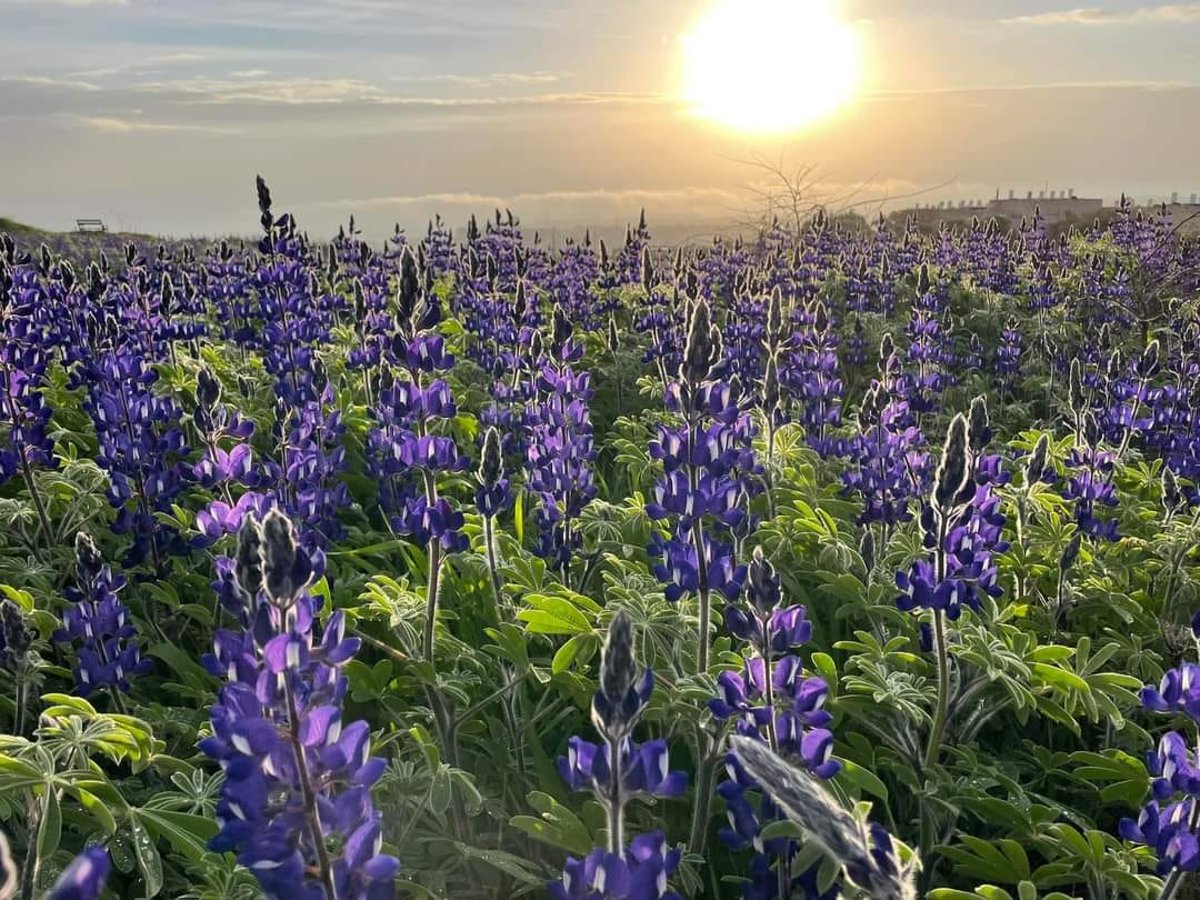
770, 65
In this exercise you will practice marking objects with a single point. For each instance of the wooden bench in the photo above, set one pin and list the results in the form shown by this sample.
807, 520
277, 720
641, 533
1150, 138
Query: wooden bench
90, 225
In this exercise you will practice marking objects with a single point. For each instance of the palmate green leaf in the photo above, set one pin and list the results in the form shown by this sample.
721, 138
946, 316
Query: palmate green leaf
1003, 861
50, 827
187, 834
558, 826
148, 858
508, 863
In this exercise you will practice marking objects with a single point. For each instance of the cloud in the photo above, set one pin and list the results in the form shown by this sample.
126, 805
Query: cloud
76, 3
1099, 85
495, 78
153, 61
293, 91
1170, 13
622, 197
113, 125
39, 81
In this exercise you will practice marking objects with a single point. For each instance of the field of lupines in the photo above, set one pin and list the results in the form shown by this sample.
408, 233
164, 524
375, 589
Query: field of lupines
852, 563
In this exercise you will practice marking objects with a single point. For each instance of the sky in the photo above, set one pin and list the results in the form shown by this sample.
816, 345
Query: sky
157, 114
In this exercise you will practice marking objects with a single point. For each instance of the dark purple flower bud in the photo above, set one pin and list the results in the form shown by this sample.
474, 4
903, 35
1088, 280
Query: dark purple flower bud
1037, 460
87, 558
1113, 370
563, 330
1196, 625
491, 461
698, 353
770, 389
1171, 497
248, 566
410, 286
820, 316
286, 568
208, 388
923, 284
762, 583
775, 318
648, 274
16, 637
1147, 366
622, 692
980, 426
1071, 552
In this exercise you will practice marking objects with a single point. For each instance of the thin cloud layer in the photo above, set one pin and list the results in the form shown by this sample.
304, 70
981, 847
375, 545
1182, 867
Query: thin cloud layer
1170, 13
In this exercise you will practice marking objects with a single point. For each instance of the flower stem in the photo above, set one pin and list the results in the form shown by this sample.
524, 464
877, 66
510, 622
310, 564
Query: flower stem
312, 814
615, 801
431, 599
706, 775
702, 596
29, 871
943, 698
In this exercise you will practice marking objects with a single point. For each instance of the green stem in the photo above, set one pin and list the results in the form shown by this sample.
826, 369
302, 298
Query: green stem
702, 597
615, 802
29, 871
943, 698
705, 776
431, 599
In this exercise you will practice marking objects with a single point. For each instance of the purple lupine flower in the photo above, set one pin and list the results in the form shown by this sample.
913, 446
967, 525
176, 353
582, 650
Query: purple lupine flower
84, 878
616, 771
107, 655
560, 447
297, 782
640, 873
775, 702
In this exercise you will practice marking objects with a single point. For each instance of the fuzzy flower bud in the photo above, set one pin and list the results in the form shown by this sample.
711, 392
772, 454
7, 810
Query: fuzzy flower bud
952, 470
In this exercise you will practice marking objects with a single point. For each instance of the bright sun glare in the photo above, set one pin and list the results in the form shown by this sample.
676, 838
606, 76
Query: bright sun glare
770, 65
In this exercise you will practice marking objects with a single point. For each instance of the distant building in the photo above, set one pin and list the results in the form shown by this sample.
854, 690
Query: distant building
1058, 207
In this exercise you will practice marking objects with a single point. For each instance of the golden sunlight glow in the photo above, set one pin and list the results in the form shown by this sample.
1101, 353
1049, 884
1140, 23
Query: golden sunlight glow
770, 65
